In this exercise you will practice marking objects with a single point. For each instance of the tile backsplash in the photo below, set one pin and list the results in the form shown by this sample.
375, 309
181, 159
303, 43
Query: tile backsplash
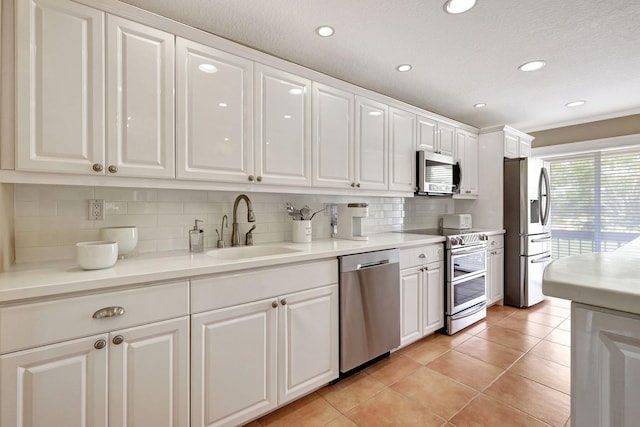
49, 220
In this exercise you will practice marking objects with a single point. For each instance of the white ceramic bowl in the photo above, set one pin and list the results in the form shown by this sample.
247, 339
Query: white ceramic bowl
96, 255
126, 236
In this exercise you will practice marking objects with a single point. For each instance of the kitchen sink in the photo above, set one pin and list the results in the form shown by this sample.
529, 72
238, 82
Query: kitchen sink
242, 252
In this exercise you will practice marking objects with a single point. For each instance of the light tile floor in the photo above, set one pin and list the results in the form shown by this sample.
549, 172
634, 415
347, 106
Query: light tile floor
511, 369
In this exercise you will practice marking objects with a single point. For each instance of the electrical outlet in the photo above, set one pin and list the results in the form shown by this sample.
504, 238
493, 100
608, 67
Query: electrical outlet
96, 209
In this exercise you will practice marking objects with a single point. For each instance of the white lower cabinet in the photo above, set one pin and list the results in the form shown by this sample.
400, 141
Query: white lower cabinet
605, 367
421, 292
251, 357
130, 369
495, 269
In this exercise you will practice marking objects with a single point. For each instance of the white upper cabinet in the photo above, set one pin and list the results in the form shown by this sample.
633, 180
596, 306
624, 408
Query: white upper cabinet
467, 156
60, 86
214, 95
371, 145
402, 173
62, 80
282, 127
333, 137
140, 105
435, 136
516, 143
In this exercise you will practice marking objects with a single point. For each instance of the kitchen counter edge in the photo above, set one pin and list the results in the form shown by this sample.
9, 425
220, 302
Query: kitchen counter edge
45, 280
610, 280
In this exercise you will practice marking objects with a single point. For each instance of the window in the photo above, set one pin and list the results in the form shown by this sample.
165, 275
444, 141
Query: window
595, 199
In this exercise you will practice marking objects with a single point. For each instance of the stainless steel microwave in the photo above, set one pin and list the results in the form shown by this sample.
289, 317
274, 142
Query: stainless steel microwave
437, 174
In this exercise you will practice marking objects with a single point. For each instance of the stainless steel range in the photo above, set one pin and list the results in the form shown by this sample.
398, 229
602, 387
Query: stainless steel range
466, 276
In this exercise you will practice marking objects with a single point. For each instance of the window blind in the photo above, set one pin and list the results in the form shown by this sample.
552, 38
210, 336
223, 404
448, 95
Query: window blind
595, 199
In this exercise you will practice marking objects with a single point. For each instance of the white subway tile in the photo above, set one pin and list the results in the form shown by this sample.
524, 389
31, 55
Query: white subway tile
126, 194
37, 208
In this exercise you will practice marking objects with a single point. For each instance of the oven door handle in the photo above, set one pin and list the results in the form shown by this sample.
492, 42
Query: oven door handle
471, 313
477, 248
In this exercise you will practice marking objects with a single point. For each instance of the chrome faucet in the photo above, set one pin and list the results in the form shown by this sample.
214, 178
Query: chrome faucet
235, 237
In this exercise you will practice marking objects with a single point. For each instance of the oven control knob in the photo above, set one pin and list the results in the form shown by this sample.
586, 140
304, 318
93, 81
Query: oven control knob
484, 237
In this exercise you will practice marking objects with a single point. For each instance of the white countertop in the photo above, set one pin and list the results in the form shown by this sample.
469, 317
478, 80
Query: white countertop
610, 280
27, 281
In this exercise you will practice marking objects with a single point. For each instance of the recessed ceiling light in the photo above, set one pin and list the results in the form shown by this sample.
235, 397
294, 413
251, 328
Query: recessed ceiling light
575, 103
207, 68
480, 105
532, 65
325, 31
458, 6
404, 67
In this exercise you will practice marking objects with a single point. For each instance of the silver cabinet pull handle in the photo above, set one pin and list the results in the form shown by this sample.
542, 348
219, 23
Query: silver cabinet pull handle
100, 344
283, 301
112, 169
118, 339
97, 167
108, 312
274, 304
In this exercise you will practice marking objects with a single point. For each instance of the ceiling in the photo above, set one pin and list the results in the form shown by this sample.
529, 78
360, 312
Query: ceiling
592, 50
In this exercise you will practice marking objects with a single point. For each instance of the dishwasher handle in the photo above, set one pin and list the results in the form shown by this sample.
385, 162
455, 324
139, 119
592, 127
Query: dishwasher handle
372, 264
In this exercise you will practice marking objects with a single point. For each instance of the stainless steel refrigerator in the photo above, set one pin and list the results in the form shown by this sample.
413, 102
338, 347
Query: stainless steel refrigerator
527, 250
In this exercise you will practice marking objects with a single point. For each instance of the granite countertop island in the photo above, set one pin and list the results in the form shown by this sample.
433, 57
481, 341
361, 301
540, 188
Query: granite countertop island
610, 280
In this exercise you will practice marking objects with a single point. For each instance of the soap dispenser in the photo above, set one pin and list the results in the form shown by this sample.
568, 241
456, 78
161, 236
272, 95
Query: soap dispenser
196, 238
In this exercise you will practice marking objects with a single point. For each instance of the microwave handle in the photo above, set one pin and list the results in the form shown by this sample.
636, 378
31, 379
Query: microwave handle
457, 176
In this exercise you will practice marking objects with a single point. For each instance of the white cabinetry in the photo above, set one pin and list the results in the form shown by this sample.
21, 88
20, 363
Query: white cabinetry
135, 376
402, 164
467, 156
495, 269
333, 137
140, 104
372, 151
61, 92
282, 127
421, 292
262, 339
214, 111
435, 136
605, 367
516, 143
60, 80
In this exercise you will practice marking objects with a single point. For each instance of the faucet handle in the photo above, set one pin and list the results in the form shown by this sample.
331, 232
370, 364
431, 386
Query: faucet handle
249, 237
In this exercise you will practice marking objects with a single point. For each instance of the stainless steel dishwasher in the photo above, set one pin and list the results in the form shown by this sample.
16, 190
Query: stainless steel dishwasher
369, 307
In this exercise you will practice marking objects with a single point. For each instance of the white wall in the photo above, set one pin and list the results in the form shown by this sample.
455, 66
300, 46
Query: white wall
49, 220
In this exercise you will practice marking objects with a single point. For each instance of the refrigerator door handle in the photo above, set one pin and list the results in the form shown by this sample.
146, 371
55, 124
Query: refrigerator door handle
539, 260
544, 182
541, 239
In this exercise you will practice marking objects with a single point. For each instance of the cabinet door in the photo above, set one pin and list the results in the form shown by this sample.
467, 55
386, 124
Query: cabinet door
495, 275
524, 148
446, 139
410, 305
511, 146
371, 144
307, 341
140, 105
333, 143
433, 297
149, 375
402, 173
605, 367
233, 364
62, 384
283, 127
467, 156
214, 101
59, 92
427, 134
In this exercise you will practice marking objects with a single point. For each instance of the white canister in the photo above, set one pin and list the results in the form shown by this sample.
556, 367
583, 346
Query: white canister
301, 231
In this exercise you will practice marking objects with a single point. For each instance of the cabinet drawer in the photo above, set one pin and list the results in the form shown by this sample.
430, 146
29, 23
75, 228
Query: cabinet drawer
496, 241
411, 257
30, 325
226, 290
